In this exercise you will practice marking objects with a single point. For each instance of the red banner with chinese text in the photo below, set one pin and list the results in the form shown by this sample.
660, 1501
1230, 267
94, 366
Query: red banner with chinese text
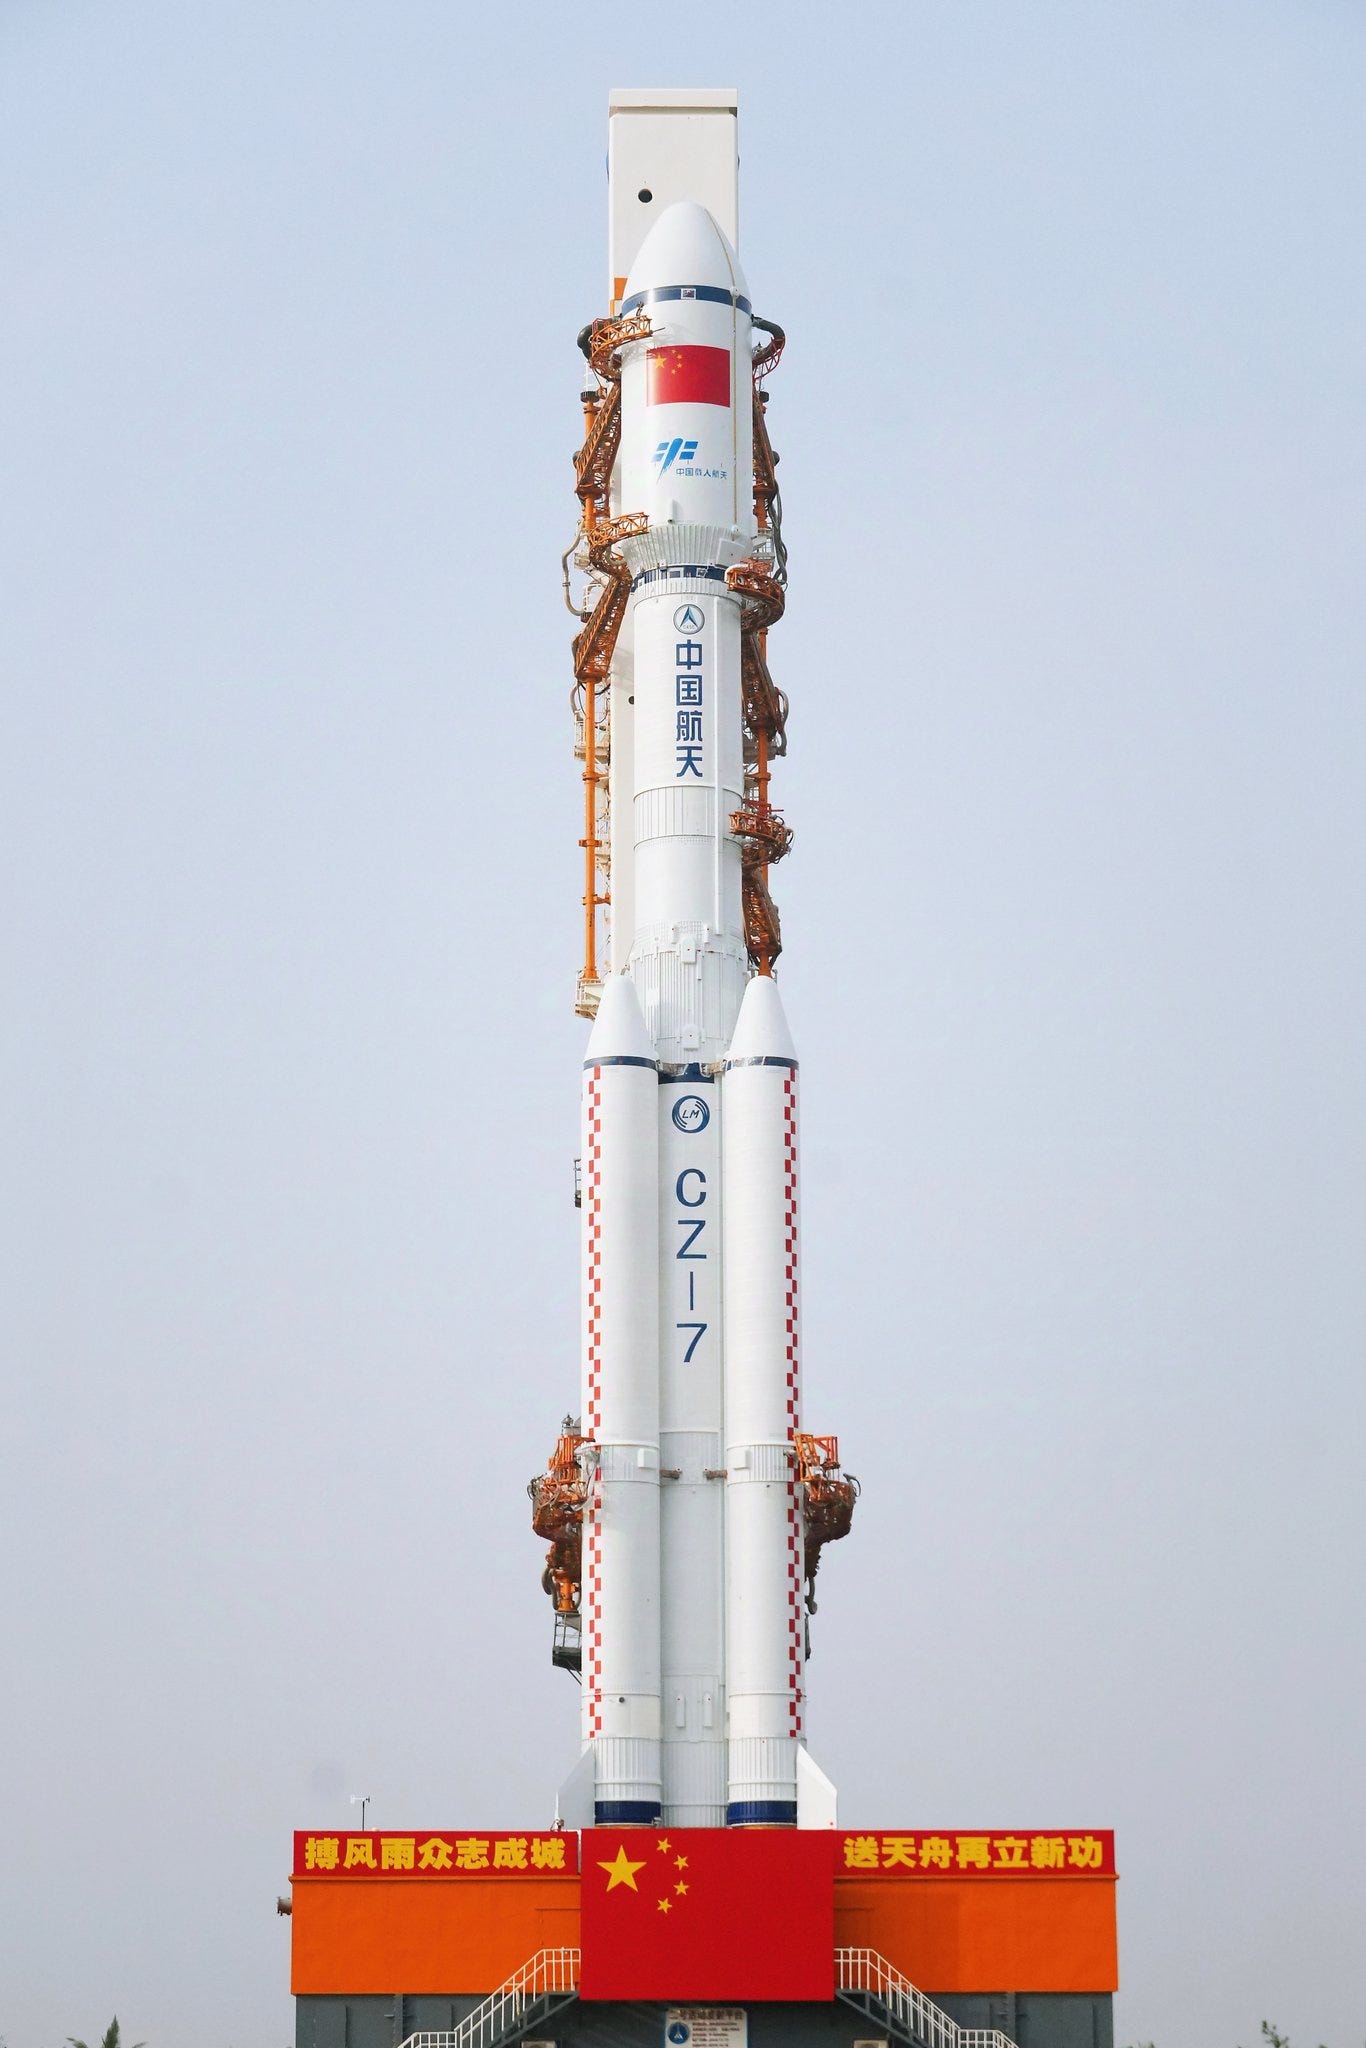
719, 1915
428, 1854
942, 1852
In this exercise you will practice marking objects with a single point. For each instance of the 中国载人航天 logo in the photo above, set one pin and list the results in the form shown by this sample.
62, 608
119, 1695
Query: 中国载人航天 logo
670, 452
679, 458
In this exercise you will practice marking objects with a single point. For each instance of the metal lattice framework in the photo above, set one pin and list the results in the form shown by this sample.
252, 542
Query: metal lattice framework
829, 1495
557, 1502
595, 552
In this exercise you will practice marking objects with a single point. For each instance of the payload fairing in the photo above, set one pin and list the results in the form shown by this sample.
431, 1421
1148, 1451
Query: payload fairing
687, 1508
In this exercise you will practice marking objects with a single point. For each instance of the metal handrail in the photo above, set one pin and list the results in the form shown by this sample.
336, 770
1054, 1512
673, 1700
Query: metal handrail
555, 1971
550, 1971
863, 1969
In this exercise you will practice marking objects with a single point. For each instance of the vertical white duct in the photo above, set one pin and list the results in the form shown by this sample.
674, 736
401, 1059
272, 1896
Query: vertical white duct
621, 1555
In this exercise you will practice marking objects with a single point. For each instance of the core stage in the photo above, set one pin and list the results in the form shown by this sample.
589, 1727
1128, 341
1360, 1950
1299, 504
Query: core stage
488, 1939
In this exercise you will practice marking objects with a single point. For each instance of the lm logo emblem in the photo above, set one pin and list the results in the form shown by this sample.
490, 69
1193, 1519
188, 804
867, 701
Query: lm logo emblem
670, 452
690, 1113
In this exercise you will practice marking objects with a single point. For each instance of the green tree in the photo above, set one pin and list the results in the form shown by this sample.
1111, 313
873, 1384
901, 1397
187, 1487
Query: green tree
111, 2038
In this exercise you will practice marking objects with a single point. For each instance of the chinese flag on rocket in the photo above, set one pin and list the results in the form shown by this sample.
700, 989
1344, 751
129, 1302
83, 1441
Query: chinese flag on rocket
708, 1914
687, 376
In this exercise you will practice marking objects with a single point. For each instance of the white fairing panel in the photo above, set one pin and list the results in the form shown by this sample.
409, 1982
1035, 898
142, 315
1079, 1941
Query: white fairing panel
687, 447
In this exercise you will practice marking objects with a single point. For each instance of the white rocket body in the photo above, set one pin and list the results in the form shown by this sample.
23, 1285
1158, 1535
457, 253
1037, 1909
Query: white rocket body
693, 1643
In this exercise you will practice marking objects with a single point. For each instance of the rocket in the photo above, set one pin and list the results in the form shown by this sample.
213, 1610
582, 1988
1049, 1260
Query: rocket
686, 1507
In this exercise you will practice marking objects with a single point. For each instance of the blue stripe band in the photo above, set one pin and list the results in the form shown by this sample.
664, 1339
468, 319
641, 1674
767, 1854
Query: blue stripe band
619, 1059
750, 1813
709, 294
619, 1813
770, 1059
692, 1075
699, 574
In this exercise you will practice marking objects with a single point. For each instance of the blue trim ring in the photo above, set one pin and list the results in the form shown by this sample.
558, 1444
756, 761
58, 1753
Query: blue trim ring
768, 1059
769, 1813
621, 1813
695, 570
708, 294
620, 1059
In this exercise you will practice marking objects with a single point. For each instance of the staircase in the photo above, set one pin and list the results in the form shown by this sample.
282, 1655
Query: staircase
864, 1980
872, 1985
531, 1996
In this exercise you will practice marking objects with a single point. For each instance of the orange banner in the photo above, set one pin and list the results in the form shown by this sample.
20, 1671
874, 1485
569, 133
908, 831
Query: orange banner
434, 1855
1027, 1853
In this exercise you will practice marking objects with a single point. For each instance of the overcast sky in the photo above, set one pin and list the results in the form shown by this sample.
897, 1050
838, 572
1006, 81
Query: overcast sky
1072, 432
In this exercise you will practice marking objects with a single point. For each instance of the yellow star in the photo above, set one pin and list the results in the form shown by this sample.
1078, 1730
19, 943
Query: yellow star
680, 1862
621, 1870
664, 1905
680, 1887
664, 1845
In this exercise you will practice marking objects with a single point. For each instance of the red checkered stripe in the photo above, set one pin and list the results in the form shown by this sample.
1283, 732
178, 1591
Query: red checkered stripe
592, 1629
592, 1214
796, 1618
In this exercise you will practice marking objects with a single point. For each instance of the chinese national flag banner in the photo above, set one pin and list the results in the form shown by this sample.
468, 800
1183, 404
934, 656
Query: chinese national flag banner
687, 376
708, 1914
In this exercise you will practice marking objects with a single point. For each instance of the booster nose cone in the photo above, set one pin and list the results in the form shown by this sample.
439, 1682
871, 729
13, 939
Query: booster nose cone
684, 248
761, 1031
619, 1032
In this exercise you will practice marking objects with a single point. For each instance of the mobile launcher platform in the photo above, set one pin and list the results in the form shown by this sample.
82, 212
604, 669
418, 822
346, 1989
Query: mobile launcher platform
705, 1938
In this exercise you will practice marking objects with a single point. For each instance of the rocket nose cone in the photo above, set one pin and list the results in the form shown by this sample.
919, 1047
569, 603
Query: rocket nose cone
619, 1029
761, 1028
685, 246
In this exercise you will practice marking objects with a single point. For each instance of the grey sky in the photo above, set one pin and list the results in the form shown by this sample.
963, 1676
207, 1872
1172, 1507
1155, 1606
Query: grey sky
1072, 435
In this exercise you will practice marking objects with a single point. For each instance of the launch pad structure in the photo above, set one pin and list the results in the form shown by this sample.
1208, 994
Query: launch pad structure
692, 1887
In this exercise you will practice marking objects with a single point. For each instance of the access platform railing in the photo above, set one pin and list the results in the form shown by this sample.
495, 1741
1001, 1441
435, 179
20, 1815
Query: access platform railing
867, 1979
550, 1980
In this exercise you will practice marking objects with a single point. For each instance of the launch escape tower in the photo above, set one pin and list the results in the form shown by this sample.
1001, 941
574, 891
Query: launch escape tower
694, 1888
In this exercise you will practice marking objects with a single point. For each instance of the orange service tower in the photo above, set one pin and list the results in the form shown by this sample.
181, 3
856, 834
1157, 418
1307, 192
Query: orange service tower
695, 1885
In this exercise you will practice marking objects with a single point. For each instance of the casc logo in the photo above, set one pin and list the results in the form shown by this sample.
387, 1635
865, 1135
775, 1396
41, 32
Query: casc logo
670, 452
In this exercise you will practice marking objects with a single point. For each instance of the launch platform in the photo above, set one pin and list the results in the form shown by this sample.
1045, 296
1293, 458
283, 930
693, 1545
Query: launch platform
477, 1941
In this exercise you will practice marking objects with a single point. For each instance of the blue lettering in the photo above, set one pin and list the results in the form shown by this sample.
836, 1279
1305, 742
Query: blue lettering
691, 1173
